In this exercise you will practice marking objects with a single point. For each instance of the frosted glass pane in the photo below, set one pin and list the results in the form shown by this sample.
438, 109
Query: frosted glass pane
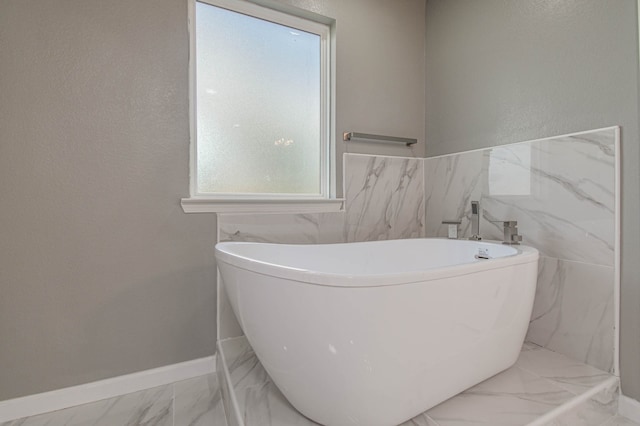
258, 105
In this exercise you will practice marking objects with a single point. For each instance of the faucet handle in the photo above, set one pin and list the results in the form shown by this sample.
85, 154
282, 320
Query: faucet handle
515, 239
453, 228
511, 235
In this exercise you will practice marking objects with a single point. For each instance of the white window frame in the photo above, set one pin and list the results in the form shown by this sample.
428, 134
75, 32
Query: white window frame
246, 203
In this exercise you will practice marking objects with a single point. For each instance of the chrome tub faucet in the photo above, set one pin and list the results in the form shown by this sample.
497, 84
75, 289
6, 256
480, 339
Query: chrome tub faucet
511, 235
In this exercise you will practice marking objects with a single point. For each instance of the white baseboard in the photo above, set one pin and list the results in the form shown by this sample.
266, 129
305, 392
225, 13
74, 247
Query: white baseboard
629, 408
45, 402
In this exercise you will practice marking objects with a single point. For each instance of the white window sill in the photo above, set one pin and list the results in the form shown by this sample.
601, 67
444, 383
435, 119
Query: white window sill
208, 205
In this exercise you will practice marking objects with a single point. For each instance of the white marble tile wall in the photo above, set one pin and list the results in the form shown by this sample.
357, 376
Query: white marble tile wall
384, 198
451, 183
566, 198
308, 228
573, 311
562, 193
560, 190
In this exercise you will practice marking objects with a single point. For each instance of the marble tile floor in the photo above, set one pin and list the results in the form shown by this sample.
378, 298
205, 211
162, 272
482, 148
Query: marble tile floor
540, 381
193, 402
541, 389
620, 421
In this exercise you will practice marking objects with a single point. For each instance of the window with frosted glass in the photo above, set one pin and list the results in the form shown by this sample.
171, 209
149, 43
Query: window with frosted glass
259, 106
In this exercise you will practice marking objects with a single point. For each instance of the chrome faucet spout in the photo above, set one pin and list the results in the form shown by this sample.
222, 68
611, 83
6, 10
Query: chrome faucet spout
511, 235
475, 221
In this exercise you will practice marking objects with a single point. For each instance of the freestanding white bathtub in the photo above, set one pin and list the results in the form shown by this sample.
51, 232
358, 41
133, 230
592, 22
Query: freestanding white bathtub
376, 333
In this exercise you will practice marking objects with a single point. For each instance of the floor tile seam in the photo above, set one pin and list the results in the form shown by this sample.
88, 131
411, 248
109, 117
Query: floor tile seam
558, 385
574, 402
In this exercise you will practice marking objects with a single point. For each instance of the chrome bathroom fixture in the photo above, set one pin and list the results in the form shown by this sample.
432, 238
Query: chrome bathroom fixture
351, 136
475, 221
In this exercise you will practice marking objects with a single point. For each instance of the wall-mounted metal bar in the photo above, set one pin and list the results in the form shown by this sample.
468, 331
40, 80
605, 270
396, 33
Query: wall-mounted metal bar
350, 136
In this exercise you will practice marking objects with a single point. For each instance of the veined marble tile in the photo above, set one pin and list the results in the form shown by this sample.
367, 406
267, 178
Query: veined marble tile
420, 420
567, 373
331, 228
264, 405
259, 400
151, 407
244, 368
565, 200
451, 183
513, 397
589, 413
620, 421
198, 402
225, 389
573, 311
561, 191
384, 197
593, 412
307, 228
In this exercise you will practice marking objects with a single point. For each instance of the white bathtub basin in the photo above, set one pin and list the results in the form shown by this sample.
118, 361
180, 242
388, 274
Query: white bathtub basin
375, 333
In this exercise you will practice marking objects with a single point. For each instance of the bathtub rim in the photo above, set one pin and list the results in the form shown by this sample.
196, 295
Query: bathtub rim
524, 254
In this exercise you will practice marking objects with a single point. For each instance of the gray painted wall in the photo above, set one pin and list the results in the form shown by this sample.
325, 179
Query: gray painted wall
380, 71
101, 273
501, 71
